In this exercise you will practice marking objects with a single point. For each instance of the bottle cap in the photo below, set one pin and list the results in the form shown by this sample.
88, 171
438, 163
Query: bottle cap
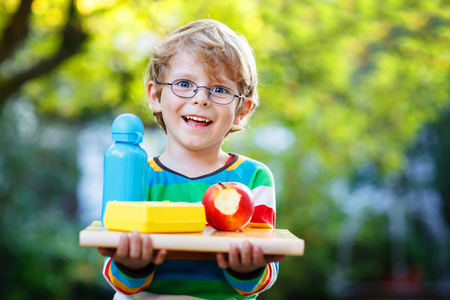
127, 128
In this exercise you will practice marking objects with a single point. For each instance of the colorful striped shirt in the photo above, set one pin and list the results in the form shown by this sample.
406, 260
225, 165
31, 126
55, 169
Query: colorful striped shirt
199, 275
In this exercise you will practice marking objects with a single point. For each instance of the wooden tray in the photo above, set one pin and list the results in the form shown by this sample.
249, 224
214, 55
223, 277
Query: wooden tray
272, 241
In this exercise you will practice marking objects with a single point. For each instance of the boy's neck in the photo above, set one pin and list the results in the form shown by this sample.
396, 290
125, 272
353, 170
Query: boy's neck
194, 163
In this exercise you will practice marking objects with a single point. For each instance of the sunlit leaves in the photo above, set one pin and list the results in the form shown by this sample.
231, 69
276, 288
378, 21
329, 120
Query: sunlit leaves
87, 7
49, 15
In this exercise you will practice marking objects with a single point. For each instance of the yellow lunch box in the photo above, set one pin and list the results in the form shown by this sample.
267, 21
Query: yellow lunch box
155, 216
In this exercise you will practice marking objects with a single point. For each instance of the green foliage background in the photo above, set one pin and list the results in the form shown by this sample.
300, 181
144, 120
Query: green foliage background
355, 91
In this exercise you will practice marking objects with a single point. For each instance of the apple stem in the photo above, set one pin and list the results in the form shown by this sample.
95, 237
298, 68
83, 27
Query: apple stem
222, 185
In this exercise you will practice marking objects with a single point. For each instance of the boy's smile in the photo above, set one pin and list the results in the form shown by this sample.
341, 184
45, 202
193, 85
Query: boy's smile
197, 121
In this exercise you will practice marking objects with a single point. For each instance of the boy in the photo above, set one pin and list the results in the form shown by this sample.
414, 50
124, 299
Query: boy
201, 84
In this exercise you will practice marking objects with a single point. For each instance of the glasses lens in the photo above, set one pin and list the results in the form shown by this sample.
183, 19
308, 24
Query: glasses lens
184, 88
221, 94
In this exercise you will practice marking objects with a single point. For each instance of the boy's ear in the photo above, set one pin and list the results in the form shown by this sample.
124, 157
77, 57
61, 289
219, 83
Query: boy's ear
153, 99
245, 108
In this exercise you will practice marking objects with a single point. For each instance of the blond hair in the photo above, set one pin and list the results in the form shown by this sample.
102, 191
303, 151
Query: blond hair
219, 48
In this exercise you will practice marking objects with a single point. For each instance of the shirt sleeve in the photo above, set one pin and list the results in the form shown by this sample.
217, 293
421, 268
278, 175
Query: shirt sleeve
263, 189
264, 215
126, 281
250, 286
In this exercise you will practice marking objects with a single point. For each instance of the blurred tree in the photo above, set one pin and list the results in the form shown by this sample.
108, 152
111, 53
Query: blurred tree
16, 33
38, 209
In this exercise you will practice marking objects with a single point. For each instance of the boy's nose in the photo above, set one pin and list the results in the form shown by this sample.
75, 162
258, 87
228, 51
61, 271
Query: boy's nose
201, 97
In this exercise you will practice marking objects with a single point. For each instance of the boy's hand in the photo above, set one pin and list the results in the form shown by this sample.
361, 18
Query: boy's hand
247, 259
135, 253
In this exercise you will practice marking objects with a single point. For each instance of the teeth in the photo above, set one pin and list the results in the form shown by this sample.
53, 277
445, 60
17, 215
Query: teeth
198, 119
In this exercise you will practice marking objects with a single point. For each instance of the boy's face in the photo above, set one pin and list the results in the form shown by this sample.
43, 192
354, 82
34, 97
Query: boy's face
194, 123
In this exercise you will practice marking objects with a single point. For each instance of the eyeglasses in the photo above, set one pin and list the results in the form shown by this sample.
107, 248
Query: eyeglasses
187, 89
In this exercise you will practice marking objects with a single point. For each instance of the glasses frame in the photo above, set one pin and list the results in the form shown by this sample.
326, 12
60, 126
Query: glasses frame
201, 86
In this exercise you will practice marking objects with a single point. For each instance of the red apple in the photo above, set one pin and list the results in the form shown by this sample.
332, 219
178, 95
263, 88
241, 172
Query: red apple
228, 205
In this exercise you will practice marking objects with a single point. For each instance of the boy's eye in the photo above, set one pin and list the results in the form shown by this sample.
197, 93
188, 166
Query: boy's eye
186, 84
220, 90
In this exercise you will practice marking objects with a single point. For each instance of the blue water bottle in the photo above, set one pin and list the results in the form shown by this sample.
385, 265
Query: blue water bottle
125, 164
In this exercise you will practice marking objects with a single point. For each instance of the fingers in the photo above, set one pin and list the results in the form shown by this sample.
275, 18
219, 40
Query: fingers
274, 258
147, 248
148, 252
135, 251
247, 255
106, 251
123, 246
258, 256
245, 259
239, 259
233, 256
135, 245
222, 260
160, 257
